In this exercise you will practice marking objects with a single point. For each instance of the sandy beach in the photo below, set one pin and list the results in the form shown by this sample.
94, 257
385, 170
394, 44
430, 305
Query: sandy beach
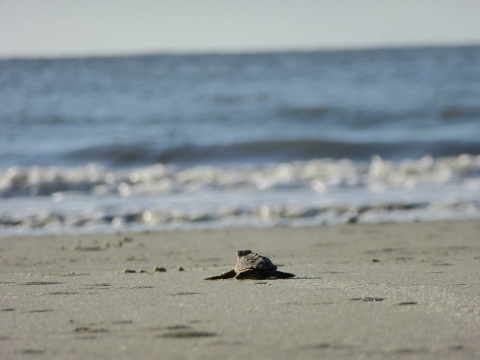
407, 290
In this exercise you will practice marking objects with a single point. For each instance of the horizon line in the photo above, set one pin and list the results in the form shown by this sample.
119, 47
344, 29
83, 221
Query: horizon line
232, 51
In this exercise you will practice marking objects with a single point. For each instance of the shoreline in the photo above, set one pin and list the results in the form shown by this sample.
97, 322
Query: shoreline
259, 225
361, 290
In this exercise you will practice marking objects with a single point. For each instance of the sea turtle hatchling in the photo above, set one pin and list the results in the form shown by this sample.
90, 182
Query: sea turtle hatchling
252, 266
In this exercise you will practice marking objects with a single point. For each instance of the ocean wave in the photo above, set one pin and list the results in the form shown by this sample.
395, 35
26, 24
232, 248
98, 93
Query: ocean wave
263, 151
367, 118
221, 98
231, 216
451, 113
305, 112
323, 191
318, 175
351, 117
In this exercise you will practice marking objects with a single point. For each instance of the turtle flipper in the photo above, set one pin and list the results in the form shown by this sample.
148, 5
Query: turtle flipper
227, 275
282, 275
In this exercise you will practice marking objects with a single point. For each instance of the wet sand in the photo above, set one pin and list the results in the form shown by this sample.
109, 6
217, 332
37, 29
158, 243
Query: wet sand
362, 291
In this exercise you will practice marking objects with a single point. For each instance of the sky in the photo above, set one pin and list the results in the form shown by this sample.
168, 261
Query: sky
51, 28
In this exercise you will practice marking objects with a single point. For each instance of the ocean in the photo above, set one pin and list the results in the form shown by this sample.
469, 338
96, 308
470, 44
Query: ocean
171, 141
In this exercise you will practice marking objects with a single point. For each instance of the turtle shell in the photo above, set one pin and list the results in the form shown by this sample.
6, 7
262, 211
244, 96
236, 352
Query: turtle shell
248, 260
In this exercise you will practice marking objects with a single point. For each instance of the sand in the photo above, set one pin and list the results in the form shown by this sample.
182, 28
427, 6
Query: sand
362, 291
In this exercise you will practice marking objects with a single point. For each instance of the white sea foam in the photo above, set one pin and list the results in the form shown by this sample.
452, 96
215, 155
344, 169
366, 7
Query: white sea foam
319, 175
316, 191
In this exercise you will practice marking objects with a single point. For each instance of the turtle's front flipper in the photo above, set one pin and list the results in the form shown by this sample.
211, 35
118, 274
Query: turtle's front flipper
282, 275
227, 275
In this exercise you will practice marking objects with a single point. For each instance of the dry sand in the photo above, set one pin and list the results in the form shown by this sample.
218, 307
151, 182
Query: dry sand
361, 291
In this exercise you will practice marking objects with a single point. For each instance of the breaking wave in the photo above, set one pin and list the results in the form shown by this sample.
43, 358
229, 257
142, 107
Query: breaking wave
264, 151
319, 175
94, 198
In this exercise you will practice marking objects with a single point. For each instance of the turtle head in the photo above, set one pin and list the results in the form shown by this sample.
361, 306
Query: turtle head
241, 253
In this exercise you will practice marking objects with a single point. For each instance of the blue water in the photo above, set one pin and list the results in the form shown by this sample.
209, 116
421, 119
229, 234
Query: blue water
255, 123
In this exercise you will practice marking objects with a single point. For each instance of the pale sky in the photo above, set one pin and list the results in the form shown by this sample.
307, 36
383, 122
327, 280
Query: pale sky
102, 27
